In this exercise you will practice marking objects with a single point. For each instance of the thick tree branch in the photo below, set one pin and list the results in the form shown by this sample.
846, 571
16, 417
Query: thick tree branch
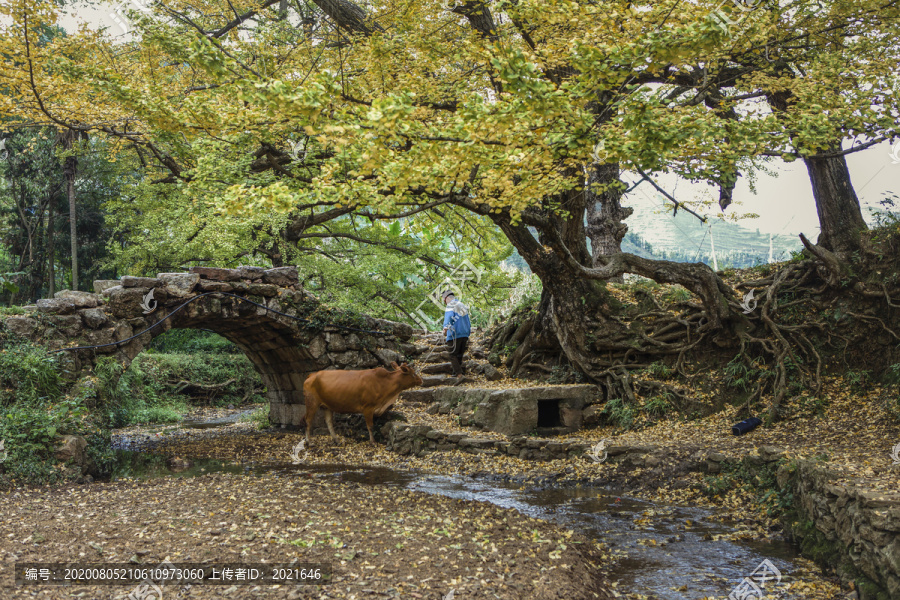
362, 240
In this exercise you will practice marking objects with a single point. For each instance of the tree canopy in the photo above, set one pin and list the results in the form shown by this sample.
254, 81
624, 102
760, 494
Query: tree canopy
266, 126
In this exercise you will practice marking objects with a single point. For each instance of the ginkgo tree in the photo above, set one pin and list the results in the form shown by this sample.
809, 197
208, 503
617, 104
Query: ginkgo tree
521, 112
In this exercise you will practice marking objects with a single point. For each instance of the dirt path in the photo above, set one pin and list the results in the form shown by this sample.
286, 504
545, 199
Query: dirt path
380, 542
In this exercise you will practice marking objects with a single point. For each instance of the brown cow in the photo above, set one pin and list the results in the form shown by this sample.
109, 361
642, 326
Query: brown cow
370, 392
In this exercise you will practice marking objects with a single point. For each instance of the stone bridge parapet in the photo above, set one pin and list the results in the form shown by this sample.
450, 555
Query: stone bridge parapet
283, 329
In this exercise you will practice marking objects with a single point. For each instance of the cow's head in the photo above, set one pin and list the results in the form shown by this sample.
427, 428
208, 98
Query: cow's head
408, 376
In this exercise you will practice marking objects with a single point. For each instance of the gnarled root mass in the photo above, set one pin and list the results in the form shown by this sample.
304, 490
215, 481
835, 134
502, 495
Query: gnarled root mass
816, 312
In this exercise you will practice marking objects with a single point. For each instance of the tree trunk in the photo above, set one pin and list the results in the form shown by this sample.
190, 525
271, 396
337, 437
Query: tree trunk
605, 213
567, 299
840, 217
70, 166
51, 252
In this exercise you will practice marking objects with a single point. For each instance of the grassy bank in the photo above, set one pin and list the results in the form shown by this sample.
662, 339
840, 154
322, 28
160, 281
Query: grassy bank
177, 373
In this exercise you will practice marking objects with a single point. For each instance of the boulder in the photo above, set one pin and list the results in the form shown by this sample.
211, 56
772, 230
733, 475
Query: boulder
571, 417
437, 369
126, 302
401, 330
70, 325
250, 272
366, 360
101, 285
140, 282
316, 347
81, 299
424, 396
281, 276
386, 356
345, 359
72, 447
336, 342
511, 414
111, 290
591, 415
57, 306
180, 285
438, 380
412, 349
20, 326
100, 337
216, 274
353, 341
261, 289
490, 373
215, 286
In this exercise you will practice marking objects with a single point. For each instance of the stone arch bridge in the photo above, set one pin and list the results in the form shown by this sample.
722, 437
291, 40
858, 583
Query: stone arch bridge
284, 348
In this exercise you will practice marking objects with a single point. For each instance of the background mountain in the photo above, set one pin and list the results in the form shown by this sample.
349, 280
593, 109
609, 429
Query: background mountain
683, 238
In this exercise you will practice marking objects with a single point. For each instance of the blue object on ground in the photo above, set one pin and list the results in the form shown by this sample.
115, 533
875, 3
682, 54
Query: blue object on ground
746, 426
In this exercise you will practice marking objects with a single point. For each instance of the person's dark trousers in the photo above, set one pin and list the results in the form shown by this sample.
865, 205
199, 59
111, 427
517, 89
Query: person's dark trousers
457, 347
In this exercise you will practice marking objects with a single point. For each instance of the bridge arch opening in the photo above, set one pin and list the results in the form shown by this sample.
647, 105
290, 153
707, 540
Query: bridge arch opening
264, 313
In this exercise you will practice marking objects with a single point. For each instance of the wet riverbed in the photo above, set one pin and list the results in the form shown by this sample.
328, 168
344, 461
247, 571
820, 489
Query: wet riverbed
669, 552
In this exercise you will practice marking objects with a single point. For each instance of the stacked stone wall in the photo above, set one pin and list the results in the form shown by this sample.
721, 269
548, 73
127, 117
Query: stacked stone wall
283, 329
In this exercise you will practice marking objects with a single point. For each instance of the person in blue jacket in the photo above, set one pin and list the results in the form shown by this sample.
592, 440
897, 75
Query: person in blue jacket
457, 326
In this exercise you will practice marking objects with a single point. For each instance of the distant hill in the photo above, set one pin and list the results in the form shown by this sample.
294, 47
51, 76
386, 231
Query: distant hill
683, 238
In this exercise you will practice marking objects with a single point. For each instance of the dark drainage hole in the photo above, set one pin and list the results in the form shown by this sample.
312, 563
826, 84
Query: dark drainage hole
548, 413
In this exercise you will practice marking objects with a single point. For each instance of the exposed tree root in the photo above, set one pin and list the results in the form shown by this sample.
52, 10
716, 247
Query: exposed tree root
786, 341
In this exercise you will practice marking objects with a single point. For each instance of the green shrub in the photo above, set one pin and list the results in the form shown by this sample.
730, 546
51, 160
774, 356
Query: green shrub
149, 391
618, 413
260, 417
30, 433
28, 373
661, 370
658, 406
186, 341
858, 380
676, 294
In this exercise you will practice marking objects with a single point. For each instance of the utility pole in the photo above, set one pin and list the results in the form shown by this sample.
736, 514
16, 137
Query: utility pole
771, 253
712, 245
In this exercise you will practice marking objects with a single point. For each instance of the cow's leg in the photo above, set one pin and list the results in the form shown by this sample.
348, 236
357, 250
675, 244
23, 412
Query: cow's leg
328, 416
370, 421
312, 407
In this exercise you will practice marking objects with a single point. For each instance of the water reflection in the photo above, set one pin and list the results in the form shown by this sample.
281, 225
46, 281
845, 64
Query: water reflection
672, 552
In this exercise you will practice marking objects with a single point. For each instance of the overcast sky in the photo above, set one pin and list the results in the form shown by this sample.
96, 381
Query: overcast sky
784, 202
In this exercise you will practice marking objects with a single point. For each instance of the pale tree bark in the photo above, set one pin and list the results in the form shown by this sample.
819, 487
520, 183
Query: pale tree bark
68, 139
51, 254
605, 214
70, 167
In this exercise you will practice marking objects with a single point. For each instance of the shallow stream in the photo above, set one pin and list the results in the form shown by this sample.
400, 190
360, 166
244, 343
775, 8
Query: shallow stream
670, 552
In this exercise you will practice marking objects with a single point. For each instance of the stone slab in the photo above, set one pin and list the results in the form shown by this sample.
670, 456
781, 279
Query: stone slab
101, 285
57, 306
140, 282
216, 273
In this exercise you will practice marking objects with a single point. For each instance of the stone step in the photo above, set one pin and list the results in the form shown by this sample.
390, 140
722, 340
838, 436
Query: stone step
437, 368
436, 357
418, 396
439, 380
